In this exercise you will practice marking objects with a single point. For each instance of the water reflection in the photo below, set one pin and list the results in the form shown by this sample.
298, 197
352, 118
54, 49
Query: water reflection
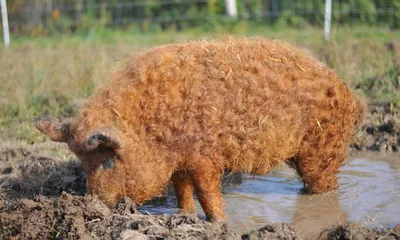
313, 214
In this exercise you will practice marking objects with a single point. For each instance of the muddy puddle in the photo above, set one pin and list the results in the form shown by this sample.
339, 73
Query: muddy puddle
369, 193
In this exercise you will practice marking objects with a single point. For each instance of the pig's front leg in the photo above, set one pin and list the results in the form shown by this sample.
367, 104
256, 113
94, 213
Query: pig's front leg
183, 186
206, 179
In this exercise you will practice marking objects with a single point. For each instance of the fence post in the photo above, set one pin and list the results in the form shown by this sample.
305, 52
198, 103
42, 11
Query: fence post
6, 31
274, 9
328, 14
231, 8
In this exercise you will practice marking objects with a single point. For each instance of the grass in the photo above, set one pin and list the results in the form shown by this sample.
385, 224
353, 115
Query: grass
49, 75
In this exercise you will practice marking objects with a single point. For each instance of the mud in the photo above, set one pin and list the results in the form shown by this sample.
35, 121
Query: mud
380, 130
86, 217
355, 231
44, 169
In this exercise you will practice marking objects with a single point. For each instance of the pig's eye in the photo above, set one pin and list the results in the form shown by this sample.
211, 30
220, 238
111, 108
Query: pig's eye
110, 163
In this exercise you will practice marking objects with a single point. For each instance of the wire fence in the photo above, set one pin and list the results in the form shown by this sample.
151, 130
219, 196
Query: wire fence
48, 16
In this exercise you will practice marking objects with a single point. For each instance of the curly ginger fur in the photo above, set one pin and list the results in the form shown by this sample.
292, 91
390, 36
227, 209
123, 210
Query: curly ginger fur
186, 112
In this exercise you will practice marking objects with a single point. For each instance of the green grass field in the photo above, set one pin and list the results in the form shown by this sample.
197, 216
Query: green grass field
50, 75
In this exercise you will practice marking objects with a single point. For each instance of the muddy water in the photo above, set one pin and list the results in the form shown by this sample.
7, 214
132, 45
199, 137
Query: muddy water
369, 193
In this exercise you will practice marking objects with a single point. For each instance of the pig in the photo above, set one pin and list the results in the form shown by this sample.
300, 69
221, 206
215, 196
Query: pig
184, 113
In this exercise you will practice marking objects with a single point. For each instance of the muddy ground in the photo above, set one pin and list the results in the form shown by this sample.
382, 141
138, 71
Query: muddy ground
43, 186
86, 217
380, 130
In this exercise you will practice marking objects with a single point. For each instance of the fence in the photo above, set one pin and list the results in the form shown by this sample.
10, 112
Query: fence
36, 17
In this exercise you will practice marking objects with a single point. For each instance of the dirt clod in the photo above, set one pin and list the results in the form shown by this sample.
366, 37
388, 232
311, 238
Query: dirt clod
274, 231
354, 231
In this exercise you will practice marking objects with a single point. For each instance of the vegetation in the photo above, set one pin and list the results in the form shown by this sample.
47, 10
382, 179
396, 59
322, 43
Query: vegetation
50, 75
49, 17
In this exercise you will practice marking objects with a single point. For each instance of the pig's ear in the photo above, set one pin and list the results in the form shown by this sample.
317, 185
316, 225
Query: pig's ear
56, 129
98, 138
